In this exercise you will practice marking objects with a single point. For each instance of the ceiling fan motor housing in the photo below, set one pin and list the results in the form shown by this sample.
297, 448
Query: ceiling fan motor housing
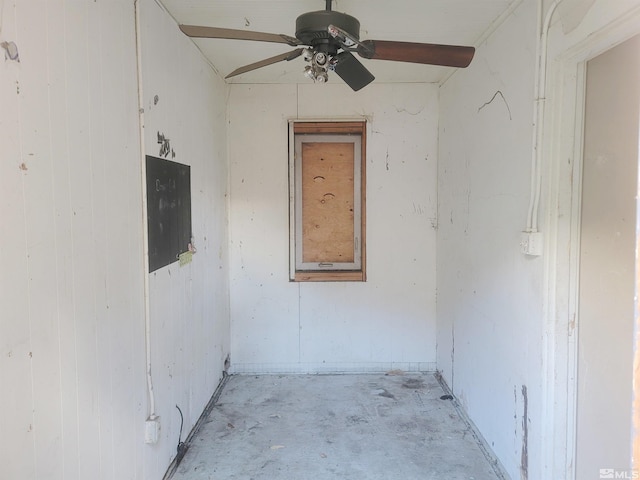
312, 28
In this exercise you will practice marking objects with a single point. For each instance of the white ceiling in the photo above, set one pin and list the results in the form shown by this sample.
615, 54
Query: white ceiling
452, 22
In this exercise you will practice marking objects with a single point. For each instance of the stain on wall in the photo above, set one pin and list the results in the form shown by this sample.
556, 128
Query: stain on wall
524, 455
10, 51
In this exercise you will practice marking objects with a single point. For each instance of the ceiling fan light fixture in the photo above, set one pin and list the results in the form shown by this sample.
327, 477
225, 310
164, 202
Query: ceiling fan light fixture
317, 70
307, 54
309, 73
320, 59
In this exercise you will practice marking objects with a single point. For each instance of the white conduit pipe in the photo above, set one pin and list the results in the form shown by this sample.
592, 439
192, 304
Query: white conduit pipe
145, 233
538, 116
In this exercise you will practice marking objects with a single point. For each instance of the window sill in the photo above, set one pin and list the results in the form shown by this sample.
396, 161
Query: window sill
330, 277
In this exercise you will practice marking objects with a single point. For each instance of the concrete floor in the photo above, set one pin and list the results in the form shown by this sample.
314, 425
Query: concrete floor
347, 427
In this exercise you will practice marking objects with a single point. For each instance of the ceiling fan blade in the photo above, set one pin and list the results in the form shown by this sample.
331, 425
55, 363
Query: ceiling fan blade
427, 53
352, 71
229, 33
267, 61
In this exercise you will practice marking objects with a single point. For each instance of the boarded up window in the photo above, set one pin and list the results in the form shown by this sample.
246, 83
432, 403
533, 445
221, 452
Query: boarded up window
328, 201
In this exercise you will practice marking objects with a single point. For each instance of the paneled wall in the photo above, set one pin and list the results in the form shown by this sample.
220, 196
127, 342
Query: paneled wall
389, 320
507, 321
489, 293
72, 280
184, 102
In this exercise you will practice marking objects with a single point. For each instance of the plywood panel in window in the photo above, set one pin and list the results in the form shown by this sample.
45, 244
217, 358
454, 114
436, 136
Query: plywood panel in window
328, 202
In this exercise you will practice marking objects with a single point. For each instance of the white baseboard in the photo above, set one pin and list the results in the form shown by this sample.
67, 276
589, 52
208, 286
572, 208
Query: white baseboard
329, 368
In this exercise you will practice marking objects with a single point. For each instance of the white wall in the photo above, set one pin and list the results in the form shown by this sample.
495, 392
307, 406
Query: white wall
489, 294
71, 291
189, 305
386, 322
72, 344
506, 320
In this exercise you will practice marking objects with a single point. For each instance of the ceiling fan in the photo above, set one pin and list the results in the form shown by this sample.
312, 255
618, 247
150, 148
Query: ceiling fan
330, 38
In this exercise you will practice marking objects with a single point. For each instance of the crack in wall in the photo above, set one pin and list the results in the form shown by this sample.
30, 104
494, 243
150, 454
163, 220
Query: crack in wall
495, 95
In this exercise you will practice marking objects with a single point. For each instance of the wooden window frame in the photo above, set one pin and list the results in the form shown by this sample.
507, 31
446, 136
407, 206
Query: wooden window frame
352, 132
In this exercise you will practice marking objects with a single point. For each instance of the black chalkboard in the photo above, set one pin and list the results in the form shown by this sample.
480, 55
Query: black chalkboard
168, 210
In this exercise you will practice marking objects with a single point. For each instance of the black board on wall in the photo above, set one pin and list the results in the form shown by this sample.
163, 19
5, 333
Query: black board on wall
168, 210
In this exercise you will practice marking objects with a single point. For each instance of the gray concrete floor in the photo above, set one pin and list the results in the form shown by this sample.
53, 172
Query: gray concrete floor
347, 427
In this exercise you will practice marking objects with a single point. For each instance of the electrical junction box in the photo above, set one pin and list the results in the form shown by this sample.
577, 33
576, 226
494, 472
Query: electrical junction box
152, 430
531, 243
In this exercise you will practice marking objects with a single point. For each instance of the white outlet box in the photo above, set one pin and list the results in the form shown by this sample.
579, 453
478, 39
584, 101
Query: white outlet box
152, 430
531, 243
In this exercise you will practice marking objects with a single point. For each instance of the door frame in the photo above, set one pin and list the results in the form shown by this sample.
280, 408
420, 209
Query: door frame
562, 146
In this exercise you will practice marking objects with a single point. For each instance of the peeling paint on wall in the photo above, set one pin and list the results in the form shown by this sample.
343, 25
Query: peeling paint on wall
524, 455
165, 146
10, 51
